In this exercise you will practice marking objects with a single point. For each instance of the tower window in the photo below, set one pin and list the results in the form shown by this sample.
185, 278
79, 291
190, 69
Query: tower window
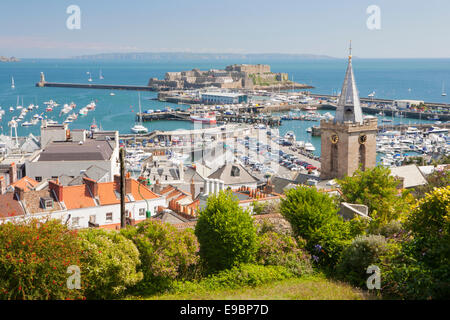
362, 157
334, 158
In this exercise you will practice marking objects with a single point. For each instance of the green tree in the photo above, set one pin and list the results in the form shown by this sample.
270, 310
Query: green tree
313, 216
377, 189
166, 253
111, 263
226, 233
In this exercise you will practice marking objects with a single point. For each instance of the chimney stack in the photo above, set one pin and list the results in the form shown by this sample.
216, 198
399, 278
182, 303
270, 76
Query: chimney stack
92, 185
57, 189
192, 189
128, 185
12, 173
117, 183
2, 185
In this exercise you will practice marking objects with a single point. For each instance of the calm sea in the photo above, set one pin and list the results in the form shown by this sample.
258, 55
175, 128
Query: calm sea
420, 79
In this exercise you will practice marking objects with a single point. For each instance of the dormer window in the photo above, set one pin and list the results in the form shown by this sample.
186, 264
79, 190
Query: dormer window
235, 171
47, 203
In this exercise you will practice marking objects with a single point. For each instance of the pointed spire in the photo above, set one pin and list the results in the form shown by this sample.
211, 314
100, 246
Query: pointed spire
349, 107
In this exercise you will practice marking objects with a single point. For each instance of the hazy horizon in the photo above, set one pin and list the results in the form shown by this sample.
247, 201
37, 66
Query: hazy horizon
407, 29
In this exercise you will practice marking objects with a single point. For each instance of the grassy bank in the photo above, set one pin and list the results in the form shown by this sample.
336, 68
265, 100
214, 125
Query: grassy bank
305, 288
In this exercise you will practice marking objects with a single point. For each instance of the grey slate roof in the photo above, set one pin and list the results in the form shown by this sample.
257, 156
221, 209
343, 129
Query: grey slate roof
72, 151
224, 173
413, 177
95, 173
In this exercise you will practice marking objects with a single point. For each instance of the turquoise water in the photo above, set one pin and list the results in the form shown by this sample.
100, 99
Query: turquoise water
388, 78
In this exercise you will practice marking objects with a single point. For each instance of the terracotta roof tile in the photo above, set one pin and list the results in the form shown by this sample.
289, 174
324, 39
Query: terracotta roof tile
76, 197
137, 191
9, 207
106, 194
26, 183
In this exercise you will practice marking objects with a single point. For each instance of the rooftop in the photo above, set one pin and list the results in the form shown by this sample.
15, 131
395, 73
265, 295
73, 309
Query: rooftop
73, 151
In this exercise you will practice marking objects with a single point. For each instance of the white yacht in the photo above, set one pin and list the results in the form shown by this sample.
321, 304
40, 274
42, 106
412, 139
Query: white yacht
412, 130
12, 83
290, 135
309, 147
27, 124
139, 128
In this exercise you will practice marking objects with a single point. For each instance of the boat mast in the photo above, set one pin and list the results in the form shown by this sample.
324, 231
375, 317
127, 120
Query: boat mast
140, 112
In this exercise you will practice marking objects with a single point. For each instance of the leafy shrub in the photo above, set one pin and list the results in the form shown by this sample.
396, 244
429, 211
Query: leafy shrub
244, 275
34, 257
266, 207
166, 253
360, 254
111, 263
358, 226
437, 179
313, 216
429, 223
226, 233
283, 250
377, 189
391, 230
406, 278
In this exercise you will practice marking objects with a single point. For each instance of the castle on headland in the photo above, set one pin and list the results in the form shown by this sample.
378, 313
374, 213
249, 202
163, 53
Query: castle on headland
242, 76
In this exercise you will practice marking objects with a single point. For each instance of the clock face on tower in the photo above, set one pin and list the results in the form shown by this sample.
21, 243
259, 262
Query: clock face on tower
334, 138
362, 139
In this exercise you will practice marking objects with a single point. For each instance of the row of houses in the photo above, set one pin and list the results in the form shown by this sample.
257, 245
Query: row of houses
84, 205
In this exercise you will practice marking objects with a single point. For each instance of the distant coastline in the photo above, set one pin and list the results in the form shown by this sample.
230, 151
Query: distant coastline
6, 59
187, 56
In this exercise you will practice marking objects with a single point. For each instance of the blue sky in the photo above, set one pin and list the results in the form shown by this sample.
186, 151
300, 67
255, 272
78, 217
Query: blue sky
409, 28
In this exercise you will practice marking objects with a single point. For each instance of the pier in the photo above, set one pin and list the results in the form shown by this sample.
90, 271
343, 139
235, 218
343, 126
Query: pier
391, 113
248, 118
397, 127
95, 86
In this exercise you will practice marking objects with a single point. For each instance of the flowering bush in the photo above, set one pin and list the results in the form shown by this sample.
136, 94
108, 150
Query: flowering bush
34, 258
226, 233
166, 253
283, 250
111, 262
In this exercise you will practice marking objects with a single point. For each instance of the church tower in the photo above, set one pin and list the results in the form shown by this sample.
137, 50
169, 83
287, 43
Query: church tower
348, 141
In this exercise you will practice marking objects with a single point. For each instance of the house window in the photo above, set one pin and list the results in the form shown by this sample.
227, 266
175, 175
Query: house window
92, 219
235, 172
76, 222
48, 203
38, 179
109, 216
141, 212
54, 177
